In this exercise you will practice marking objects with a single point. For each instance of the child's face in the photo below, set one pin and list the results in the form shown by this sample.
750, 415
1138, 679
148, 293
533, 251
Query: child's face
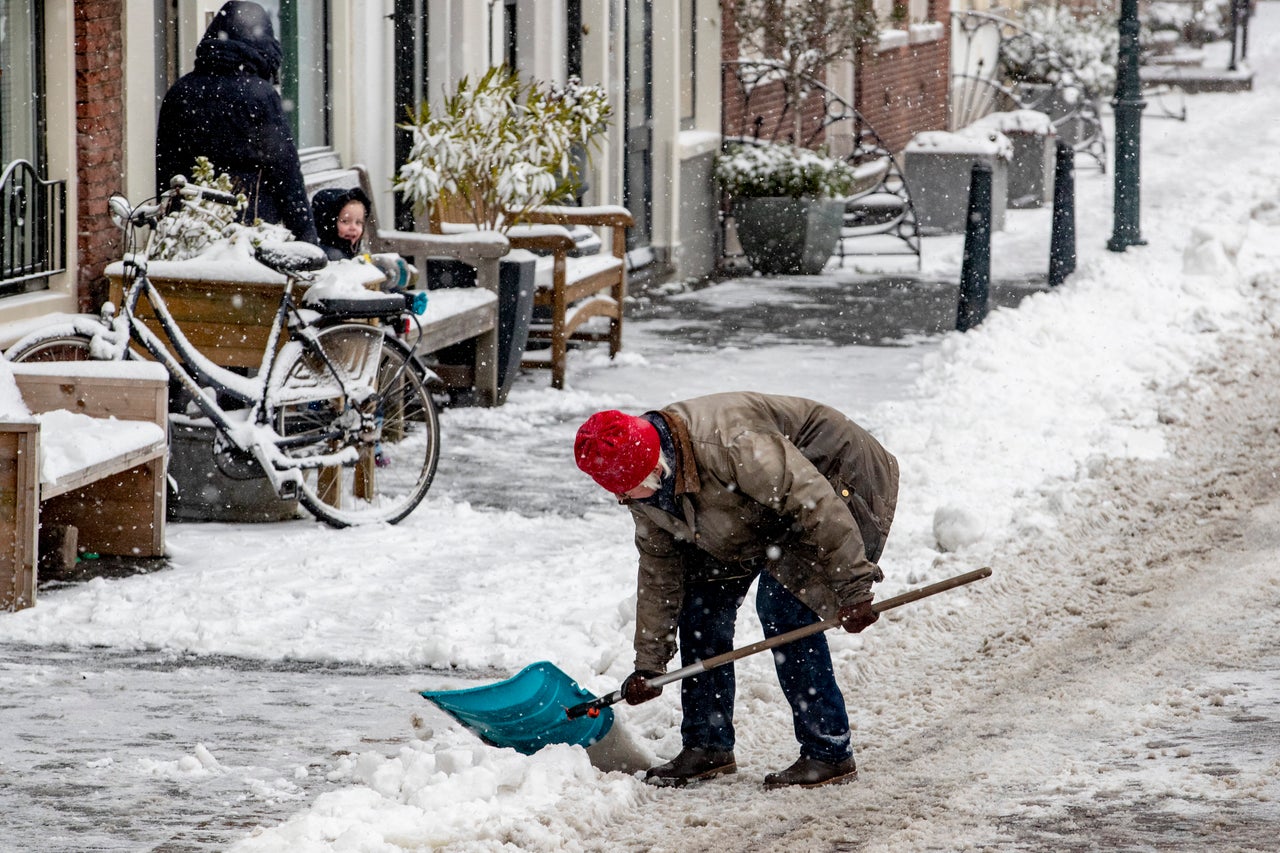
351, 221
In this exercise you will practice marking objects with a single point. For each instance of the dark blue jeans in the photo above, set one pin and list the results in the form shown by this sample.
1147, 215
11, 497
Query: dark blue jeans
804, 668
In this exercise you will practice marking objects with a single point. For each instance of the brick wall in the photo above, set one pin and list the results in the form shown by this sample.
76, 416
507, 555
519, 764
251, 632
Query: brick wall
99, 140
900, 92
903, 91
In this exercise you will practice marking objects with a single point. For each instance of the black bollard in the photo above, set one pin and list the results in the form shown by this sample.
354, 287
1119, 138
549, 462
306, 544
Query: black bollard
1062, 242
975, 274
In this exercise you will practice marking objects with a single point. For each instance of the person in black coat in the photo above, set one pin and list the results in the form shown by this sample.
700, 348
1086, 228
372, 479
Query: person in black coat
340, 217
228, 110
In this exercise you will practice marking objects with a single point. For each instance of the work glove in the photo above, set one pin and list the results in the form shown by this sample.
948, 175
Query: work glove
855, 617
636, 688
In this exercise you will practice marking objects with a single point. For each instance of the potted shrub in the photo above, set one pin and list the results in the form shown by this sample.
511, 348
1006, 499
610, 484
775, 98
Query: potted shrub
496, 149
788, 203
1060, 59
501, 147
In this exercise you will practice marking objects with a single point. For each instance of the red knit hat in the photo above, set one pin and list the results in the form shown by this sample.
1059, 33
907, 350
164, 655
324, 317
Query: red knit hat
617, 450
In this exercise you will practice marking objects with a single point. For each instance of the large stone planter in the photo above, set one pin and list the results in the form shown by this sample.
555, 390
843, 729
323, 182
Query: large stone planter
939, 165
204, 490
788, 235
1032, 135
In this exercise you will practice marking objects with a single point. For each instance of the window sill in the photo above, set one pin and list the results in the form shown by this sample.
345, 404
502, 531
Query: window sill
914, 34
921, 33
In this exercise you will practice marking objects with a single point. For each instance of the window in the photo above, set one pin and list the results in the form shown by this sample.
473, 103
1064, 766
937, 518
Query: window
303, 29
32, 210
688, 59
21, 83
898, 14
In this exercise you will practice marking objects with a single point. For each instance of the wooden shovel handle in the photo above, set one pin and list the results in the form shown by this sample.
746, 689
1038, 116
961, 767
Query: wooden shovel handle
781, 640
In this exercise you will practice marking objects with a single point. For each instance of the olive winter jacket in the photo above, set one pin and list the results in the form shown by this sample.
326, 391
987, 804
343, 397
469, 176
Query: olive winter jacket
783, 484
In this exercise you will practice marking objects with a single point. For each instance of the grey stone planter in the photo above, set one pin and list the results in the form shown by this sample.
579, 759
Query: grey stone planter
788, 235
203, 491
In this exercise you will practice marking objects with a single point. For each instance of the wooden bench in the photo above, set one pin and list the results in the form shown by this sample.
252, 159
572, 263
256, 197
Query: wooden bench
453, 315
87, 453
571, 288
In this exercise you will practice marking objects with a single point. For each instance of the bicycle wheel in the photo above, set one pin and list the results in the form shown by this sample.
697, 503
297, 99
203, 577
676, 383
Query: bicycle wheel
394, 429
60, 348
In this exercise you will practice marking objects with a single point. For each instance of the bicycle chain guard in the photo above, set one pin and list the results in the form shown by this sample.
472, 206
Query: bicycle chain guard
234, 463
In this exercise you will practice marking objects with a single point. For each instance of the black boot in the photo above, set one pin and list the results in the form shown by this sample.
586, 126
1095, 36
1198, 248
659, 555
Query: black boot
691, 765
812, 773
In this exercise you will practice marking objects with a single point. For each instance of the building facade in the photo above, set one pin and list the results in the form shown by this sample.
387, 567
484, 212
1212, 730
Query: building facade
82, 82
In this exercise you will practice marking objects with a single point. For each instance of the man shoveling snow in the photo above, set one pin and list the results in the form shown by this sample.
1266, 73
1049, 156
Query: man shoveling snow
724, 489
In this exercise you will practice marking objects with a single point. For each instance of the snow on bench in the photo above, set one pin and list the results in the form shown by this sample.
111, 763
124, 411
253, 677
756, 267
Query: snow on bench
83, 452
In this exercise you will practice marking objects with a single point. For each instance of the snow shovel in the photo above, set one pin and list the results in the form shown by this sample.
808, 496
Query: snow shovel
533, 708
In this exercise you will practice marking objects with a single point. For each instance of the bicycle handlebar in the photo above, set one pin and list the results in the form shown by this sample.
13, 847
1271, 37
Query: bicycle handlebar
147, 214
193, 192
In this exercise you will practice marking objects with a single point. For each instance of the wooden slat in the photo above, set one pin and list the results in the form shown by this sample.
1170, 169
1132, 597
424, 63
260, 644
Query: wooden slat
106, 468
457, 327
19, 453
126, 398
120, 514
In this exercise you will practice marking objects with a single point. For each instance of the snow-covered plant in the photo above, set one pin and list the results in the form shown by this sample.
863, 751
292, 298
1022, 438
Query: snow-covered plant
802, 36
1195, 23
1085, 41
198, 224
768, 169
499, 147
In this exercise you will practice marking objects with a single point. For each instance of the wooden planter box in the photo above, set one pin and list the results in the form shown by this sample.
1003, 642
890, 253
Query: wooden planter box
226, 319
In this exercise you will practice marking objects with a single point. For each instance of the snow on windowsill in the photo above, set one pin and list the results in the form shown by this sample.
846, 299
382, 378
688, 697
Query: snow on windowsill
921, 33
891, 39
695, 143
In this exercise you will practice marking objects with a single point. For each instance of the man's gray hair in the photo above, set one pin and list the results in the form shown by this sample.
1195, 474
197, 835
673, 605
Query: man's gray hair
662, 469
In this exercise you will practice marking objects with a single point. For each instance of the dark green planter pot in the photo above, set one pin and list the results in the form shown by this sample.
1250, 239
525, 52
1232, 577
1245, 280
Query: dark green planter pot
788, 235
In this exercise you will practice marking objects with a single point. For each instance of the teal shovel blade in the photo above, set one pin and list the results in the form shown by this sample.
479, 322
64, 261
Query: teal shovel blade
527, 711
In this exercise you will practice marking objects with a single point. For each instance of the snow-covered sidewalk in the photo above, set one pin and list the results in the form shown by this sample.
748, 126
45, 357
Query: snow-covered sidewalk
1097, 446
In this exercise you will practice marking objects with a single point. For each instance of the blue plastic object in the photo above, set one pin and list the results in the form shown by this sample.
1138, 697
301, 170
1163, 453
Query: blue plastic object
527, 711
418, 302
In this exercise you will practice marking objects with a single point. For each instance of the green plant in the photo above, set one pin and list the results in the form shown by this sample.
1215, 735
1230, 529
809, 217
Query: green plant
1061, 46
501, 147
199, 224
767, 169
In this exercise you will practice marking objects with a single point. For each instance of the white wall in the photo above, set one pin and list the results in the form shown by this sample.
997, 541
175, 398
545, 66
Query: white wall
60, 115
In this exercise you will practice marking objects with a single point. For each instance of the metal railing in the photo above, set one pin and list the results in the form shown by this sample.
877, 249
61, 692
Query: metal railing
33, 231
880, 218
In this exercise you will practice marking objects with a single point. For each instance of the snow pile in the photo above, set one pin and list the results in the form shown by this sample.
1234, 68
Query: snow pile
12, 406
428, 796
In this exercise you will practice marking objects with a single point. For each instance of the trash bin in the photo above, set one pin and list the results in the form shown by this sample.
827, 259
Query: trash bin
516, 284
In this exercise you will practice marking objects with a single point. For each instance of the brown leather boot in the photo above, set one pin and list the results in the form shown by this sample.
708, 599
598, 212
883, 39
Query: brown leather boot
812, 773
691, 765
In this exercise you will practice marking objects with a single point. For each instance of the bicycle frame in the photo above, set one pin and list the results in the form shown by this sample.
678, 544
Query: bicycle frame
202, 379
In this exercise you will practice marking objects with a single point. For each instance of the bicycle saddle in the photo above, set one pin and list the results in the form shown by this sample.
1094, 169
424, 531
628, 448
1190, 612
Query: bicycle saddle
292, 257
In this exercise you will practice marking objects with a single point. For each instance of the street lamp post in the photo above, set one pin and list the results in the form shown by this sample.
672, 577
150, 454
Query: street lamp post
1128, 105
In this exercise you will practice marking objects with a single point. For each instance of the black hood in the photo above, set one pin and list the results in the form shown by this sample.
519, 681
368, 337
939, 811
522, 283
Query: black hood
240, 41
325, 207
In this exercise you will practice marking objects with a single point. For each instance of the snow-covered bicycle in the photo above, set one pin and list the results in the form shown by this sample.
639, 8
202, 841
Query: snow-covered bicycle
337, 415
